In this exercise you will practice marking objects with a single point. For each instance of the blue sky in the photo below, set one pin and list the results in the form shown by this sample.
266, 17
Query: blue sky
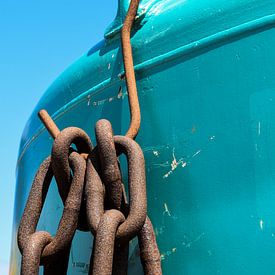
39, 39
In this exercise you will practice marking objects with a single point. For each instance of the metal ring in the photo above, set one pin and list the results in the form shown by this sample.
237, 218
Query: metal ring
137, 188
33, 208
60, 154
110, 171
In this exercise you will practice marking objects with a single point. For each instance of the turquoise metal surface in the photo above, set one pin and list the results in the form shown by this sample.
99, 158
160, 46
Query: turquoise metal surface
206, 82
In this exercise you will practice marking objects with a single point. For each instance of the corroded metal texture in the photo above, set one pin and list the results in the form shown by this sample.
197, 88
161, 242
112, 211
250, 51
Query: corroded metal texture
137, 187
60, 152
149, 252
32, 252
94, 197
110, 173
49, 123
35, 203
129, 69
27, 235
112, 229
104, 243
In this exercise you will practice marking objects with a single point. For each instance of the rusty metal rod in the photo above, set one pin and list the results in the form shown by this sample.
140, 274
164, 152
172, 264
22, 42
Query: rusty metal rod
48, 123
129, 69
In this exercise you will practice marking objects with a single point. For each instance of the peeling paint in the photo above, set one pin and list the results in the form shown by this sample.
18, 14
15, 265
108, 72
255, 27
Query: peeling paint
168, 253
156, 153
174, 164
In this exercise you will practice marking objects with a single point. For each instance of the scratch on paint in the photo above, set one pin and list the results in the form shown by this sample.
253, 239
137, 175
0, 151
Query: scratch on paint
165, 164
120, 95
198, 152
166, 210
174, 164
259, 128
193, 241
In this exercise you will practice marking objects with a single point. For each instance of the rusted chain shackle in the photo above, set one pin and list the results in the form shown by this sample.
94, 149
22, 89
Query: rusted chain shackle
40, 247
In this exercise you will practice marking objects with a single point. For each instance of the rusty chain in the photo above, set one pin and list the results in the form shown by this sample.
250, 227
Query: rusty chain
90, 185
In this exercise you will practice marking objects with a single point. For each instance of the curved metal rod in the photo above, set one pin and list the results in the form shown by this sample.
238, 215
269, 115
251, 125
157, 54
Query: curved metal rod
129, 69
49, 123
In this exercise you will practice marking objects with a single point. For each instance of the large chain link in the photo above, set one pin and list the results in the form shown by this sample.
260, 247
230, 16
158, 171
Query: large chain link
90, 185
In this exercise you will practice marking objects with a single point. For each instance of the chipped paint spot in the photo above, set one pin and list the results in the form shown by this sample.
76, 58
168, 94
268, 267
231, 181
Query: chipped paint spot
156, 153
168, 253
109, 66
113, 55
174, 164
89, 100
261, 224
193, 130
212, 138
166, 210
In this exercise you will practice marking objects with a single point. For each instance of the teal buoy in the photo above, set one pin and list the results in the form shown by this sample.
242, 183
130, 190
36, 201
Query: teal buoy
206, 82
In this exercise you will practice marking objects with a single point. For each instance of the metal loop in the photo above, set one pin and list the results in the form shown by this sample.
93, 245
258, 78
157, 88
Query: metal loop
32, 252
34, 203
137, 188
94, 195
110, 171
69, 220
104, 242
60, 154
